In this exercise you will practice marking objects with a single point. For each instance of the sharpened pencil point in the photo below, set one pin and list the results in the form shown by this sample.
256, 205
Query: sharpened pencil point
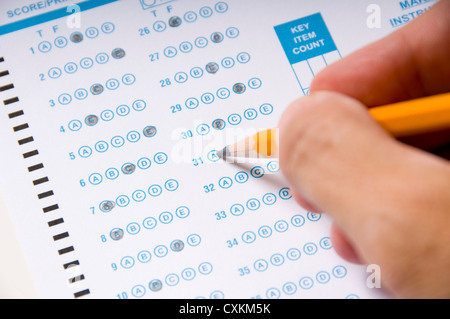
223, 153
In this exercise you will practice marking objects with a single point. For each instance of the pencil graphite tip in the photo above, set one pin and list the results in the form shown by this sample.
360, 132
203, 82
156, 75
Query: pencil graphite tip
223, 153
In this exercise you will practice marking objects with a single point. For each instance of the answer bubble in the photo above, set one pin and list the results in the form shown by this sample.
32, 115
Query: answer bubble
128, 168
107, 205
96, 89
177, 245
155, 285
76, 37
118, 53
218, 124
150, 131
212, 67
175, 21
91, 120
116, 234
217, 37
239, 88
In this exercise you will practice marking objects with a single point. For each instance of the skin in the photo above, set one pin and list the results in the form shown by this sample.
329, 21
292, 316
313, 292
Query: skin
389, 199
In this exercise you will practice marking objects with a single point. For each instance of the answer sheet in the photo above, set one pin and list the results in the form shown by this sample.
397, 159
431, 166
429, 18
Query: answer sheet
111, 113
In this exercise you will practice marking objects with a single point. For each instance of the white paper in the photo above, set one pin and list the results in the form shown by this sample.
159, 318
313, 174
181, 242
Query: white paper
273, 249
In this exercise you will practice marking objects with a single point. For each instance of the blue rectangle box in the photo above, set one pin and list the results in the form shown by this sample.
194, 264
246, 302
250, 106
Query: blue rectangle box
305, 38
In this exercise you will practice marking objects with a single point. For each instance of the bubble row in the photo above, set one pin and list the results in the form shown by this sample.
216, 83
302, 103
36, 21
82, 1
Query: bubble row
254, 204
85, 63
307, 282
292, 254
188, 17
106, 115
116, 142
211, 68
172, 279
200, 42
75, 37
233, 119
281, 226
160, 251
128, 168
138, 195
242, 177
222, 94
150, 223
95, 89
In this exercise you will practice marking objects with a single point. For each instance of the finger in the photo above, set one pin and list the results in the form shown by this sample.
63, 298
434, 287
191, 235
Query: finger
305, 204
323, 147
410, 63
340, 243
343, 247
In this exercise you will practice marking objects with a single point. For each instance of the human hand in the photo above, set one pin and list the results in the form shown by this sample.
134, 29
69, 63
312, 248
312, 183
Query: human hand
390, 201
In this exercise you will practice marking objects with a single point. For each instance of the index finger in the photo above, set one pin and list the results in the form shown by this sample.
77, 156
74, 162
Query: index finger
410, 63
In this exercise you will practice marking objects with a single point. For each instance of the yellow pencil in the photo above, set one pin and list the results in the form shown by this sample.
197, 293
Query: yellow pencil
402, 119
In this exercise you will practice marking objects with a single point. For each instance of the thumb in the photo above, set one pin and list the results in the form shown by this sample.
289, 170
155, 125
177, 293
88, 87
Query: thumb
330, 148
